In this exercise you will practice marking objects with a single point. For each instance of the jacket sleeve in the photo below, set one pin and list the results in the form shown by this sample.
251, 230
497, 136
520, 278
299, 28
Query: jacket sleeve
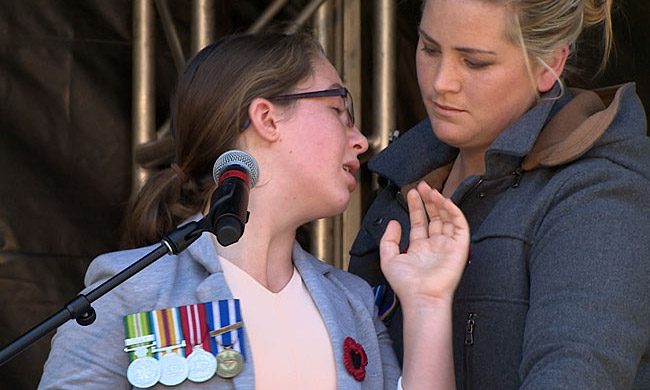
92, 357
89, 357
588, 323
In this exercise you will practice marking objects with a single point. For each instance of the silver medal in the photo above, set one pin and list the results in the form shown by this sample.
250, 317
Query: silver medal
173, 369
143, 372
202, 365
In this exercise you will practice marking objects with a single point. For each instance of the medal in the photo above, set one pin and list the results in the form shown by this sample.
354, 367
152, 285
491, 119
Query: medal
229, 363
202, 365
143, 371
170, 346
226, 336
173, 369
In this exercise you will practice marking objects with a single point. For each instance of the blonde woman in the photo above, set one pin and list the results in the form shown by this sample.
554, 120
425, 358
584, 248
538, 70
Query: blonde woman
554, 182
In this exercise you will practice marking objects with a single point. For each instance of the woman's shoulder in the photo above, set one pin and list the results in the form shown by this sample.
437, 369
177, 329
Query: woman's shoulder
149, 282
305, 260
351, 280
109, 264
595, 131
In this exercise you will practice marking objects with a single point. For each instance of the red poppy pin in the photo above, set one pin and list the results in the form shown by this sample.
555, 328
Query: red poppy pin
354, 358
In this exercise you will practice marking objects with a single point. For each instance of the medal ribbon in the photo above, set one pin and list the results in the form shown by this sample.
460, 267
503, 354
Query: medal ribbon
222, 314
168, 331
138, 325
195, 327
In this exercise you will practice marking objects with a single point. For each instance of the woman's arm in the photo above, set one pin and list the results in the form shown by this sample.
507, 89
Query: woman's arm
424, 278
588, 324
88, 357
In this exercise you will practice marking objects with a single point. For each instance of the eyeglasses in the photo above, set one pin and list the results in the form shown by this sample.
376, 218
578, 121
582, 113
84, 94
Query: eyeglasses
343, 92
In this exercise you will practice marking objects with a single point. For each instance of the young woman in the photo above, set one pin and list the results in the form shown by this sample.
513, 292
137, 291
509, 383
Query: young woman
274, 316
554, 183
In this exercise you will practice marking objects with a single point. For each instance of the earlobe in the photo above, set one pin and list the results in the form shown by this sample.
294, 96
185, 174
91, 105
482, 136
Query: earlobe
263, 118
552, 69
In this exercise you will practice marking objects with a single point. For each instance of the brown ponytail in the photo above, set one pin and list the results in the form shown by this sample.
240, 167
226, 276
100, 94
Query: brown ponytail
161, 205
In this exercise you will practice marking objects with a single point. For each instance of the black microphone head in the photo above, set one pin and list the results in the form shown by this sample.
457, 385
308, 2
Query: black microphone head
236, 158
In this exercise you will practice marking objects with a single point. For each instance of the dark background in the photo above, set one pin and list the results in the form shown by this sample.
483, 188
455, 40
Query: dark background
65, 119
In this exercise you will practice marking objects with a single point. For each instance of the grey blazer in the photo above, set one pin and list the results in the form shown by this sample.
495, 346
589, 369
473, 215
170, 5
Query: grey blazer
92, 357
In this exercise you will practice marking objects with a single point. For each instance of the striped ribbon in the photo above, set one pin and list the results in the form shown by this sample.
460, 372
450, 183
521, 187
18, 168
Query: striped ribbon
138, 325
168, 331
195, 328
221, 314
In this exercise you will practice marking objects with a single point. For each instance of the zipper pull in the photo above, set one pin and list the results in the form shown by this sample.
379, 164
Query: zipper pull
517, 174
474, 187
469, 329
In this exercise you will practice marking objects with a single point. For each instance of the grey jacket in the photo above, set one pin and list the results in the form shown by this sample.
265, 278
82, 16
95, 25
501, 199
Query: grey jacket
557, 289
92, 357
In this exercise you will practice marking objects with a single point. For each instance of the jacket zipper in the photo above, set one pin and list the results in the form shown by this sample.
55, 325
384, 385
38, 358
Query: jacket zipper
517, 174
474, 187
469, 342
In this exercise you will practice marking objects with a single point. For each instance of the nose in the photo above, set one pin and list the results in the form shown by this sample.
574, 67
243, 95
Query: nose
358, 141
446, 77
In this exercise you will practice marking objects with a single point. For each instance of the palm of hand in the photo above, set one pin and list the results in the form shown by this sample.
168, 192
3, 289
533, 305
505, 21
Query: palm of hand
437, 252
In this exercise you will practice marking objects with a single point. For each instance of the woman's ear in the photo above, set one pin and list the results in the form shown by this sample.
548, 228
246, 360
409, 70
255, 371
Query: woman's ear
263, 117
551, 71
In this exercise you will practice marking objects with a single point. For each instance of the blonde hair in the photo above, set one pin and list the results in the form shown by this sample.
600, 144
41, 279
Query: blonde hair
540, 27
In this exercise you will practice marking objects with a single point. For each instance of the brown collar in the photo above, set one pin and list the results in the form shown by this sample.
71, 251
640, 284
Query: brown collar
571, 132
575, 128
435, 179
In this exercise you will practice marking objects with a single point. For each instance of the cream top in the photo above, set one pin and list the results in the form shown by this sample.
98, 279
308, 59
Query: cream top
289, 340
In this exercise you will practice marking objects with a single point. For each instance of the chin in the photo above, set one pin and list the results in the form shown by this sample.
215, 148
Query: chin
337, 208
451, 135
327, 202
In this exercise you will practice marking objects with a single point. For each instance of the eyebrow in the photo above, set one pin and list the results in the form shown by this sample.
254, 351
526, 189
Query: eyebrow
469, 50
332, 86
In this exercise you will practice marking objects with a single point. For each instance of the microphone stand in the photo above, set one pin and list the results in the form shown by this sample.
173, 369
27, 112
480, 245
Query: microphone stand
174, 243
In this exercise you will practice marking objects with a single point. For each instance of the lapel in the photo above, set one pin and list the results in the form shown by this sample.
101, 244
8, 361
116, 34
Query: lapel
337, 307
214, 288
343, 312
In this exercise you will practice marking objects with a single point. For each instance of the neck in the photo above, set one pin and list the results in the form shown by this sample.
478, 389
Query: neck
264, 250
467, 163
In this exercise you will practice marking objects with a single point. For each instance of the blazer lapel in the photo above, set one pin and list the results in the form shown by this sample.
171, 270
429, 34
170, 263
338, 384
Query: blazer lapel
330, 302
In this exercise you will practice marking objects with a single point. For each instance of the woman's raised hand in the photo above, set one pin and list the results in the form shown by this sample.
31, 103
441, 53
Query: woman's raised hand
437, 252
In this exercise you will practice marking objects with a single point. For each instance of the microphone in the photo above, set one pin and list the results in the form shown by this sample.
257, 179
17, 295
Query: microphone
235, 173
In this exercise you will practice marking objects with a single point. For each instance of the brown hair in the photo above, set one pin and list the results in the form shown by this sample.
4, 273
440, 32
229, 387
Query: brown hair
208, 110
